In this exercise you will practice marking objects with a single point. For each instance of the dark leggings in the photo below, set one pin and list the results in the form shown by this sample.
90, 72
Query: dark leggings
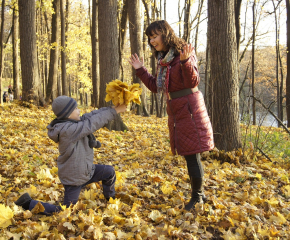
194, 165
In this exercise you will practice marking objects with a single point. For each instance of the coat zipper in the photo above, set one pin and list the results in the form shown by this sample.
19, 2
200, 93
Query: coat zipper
175, 133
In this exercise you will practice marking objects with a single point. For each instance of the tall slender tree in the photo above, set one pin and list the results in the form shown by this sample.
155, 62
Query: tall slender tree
238, 4
31, 88
95, 69
186, 24
288, 65
253, 62
51, 90
221, 26
1, 44
63, 48
122, 34
15, 37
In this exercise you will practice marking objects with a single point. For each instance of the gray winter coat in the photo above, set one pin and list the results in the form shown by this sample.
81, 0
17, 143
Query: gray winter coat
75, 161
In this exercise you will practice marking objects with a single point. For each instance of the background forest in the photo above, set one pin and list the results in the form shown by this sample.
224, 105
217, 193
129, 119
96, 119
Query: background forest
67, 48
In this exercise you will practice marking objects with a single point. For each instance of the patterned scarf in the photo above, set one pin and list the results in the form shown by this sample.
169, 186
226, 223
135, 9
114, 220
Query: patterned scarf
163, 70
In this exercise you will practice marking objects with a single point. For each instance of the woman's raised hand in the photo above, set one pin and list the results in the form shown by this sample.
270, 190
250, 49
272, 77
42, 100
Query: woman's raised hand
135, 61
186, 52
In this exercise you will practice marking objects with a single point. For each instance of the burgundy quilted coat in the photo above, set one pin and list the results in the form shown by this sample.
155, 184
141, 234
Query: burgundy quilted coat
190, 129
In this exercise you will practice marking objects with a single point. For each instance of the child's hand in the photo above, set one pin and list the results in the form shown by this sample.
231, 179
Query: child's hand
120, 108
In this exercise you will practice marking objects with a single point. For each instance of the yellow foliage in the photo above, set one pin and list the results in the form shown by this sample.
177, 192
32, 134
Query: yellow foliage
6, 215
121, 93
167, 188
152, 187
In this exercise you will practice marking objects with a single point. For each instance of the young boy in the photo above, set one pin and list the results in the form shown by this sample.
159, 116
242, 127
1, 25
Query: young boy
74, 134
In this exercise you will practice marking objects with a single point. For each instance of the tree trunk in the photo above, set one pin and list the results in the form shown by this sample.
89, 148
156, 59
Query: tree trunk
200, 5
122, 34
165, 10
186, 25
179, 19
51, 89
226, 123
1, 46
253, 64
108, 46
63, 48
95, 70
31, 89
136, 45
238, 4
15, 37
288, 64
66, 30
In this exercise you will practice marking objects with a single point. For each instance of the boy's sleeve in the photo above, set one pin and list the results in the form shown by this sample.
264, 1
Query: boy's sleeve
88, 115
90, 124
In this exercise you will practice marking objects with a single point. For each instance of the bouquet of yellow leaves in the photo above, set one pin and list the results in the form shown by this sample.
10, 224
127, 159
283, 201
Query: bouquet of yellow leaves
121, 93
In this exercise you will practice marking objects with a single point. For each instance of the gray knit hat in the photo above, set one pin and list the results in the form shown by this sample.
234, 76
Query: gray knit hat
63, 106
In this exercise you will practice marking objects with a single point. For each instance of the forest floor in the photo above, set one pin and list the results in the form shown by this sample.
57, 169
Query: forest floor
248, 193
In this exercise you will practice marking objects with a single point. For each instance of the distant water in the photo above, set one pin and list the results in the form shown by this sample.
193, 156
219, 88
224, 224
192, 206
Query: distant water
266, 119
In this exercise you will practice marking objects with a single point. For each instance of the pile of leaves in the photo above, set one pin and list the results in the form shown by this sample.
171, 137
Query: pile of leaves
248, 195
121, 93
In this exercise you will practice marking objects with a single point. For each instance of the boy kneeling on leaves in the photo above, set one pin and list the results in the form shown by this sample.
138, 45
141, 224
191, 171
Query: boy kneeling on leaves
74, 134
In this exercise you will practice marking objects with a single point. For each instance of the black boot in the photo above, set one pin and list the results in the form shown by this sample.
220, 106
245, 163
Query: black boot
24, 201
196, 193
204, 198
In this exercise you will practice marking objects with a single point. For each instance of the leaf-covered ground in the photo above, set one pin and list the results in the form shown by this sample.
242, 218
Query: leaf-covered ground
248, 195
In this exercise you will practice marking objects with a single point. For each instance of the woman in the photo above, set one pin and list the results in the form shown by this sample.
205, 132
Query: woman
177, 76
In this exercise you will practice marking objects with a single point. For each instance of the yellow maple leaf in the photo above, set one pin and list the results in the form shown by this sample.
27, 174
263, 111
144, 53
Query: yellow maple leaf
167, 188
44, 174
278, 218
90, 194
6, 215
287, 190
258, 176
120, 93
156, 216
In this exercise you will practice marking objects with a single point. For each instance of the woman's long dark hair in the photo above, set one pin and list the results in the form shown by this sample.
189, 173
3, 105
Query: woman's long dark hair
168, 36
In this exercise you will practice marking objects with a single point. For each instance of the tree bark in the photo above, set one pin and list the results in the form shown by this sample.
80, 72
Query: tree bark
253, 64
15, 37
238, 4
288, 65
122, 34
108, 46
94, 39
200, 5
63, 49
186, 25
136, 46
1, 46
66, 30
51, 89
31, 89
226, 123
164, 10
